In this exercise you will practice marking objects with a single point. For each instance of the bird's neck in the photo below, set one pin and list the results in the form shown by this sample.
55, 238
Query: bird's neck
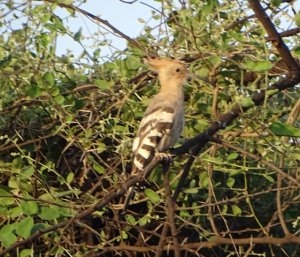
171, 85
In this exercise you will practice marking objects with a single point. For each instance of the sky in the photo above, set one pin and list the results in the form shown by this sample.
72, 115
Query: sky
124, 17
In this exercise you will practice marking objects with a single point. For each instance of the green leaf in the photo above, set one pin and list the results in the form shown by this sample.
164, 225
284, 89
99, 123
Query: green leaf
66, 212
102, 84
78, 35
295, 156
282, 129
143, 221
88, 133
297, 51
203, 180
7, 237
247, 102
208, 7
24, 227
232, 156
152, 195
132, 63
98, 168
130, 219
269, 178
124, 235
49, 78
39, 226
58, 24
225, 209
184, 213
48, 213
258, 66
297, 19
33, 91
15, 212
28, 171
236, 211
203, 72
59, 99
29, 207
230, 182
26, 253
238, 36
276, 3
55, 91
215, 59
191, 191
70, 177
6, 198
201, 125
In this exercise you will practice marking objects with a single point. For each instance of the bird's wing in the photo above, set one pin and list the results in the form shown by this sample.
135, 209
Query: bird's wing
153, 135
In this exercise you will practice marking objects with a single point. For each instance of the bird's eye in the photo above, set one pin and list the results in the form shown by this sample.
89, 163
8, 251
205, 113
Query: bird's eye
177, 70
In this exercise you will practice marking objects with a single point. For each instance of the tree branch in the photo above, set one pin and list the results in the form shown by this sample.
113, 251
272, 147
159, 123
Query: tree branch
288, 33
274, 36
170, 206
216, 241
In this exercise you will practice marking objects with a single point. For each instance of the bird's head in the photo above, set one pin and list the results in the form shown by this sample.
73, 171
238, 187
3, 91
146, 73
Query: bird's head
168, 69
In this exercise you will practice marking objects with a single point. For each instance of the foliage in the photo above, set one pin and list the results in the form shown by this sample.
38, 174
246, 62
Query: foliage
67, 125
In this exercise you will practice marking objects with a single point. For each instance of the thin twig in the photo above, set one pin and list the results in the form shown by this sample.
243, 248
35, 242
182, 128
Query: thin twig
216, 241
211, 193
96, 18
279, 206
170, 206
160, 246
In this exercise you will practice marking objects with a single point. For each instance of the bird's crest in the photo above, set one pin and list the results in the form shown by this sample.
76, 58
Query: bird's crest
157, 63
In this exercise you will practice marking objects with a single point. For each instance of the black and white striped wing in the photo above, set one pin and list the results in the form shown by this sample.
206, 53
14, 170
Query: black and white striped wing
154, 134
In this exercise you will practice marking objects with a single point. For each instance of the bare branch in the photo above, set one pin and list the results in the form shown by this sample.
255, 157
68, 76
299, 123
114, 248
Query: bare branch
96, 18
274, 36
216, 241
288, 33
170, 205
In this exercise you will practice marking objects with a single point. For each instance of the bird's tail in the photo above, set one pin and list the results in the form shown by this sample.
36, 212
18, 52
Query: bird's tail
129, 197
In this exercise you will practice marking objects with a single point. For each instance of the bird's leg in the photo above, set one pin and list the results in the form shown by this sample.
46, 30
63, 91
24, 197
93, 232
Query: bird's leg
165, 158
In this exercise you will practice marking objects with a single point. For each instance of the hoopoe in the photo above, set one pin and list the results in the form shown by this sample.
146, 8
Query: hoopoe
163, 120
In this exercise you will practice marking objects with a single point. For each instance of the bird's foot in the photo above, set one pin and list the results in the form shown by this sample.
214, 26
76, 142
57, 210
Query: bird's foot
165, 158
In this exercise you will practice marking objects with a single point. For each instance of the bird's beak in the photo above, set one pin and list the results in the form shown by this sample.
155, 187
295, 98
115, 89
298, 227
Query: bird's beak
197, 78
193, 76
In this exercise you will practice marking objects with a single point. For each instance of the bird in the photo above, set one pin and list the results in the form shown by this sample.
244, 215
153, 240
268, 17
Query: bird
163, 120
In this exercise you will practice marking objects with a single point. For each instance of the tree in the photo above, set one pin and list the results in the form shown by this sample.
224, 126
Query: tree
66, 130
